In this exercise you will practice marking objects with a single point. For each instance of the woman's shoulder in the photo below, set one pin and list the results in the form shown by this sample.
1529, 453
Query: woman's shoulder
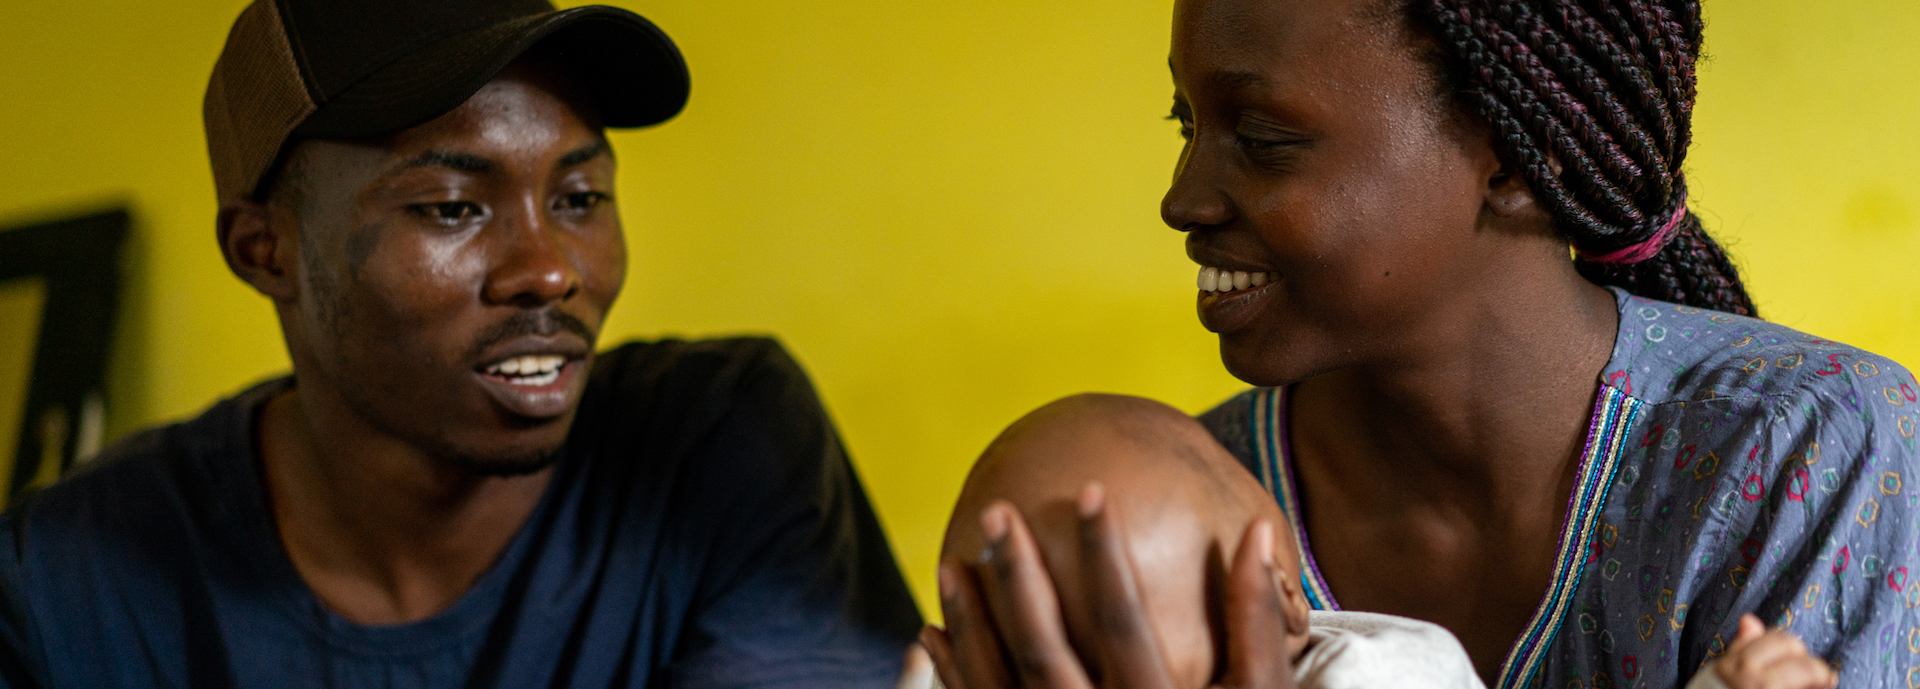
1761, 469
1232, 423
1671, 353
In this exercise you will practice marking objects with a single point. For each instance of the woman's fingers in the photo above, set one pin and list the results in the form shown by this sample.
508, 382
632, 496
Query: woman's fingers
1256, 621
971, 646
1129, 649
1023, 601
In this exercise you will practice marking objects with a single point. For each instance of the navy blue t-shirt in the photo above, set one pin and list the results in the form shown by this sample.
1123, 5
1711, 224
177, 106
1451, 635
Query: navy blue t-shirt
702, 529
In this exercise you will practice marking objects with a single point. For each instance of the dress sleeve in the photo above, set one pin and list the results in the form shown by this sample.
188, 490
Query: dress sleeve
1231, 423
799, 588
1821, 527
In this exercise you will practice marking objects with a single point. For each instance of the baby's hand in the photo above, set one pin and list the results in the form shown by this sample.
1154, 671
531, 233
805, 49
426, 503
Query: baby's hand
1761, 659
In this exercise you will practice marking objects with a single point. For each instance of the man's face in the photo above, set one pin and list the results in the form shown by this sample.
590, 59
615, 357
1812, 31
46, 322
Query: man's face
453, 277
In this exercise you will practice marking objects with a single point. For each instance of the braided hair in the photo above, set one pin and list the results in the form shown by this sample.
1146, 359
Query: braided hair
1591, 101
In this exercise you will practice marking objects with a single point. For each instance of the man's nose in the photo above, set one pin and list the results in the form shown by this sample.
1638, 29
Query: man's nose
536, 263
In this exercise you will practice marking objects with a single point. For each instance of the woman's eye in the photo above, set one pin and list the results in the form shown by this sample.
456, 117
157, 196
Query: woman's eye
448, 212
580, 202
1186, 125
1252, 144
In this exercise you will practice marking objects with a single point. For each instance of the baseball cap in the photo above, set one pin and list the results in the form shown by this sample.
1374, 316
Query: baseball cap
347, 69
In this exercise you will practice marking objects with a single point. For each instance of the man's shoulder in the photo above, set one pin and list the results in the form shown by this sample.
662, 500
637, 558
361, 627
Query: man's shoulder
720, 409
675, 365
129, 525
142, 485
691, 381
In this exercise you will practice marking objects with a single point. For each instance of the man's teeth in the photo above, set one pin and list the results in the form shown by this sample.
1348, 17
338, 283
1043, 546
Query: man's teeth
1217, 280
537, 369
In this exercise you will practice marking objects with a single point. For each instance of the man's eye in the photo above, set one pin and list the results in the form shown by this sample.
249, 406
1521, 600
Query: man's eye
447, 212
580, 201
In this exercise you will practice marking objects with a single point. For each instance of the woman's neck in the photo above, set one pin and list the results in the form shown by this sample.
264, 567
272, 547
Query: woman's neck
1485, 412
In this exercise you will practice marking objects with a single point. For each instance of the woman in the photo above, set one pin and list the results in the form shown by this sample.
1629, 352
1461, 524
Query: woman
1587, 468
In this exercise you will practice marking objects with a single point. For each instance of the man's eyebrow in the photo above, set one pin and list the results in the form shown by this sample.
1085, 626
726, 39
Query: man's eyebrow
584, 154
463, 162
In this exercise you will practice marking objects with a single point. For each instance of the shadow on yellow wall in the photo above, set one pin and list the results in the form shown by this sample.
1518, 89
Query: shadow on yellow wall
947, 210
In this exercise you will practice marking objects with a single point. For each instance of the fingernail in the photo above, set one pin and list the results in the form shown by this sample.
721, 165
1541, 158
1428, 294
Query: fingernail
1092, 498
944, 575
1263, 542
993, 523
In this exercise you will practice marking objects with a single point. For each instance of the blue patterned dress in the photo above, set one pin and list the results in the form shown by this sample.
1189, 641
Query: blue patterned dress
1731, 466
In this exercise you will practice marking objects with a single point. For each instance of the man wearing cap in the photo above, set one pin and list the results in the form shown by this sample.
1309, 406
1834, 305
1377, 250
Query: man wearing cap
453, 489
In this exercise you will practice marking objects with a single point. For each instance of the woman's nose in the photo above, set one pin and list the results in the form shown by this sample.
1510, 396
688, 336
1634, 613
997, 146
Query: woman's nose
1195, 200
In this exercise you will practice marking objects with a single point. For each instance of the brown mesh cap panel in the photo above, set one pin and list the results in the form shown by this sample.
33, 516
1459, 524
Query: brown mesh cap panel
254, 100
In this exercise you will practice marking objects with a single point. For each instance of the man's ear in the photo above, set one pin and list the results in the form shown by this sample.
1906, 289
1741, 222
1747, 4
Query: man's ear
260, 247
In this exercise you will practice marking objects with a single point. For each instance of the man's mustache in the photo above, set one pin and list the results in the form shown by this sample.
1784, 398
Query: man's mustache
543, 323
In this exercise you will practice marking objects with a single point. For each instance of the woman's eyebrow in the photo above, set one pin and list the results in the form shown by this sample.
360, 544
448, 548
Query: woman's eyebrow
1239, 79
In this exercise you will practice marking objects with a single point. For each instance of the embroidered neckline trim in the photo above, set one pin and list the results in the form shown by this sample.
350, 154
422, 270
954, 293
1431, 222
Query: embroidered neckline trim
1613, 413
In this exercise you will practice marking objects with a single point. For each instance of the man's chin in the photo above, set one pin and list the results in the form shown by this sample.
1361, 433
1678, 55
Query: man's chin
504, 465
502, 455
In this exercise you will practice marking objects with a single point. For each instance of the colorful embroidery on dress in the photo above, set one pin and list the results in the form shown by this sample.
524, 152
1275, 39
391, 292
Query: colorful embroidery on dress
1613, 415
1733, 466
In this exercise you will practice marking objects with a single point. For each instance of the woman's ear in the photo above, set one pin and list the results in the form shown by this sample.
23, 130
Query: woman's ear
260, 246
1509, 194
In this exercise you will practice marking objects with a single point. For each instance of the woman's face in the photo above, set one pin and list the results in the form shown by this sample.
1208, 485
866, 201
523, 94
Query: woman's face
1317, 154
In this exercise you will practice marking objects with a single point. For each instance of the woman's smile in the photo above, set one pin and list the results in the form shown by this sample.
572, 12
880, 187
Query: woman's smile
1231, 299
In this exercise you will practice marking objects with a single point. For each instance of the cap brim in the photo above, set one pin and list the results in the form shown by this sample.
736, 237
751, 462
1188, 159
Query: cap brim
632, 70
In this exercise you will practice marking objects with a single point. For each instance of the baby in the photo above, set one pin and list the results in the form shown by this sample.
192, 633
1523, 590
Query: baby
1183, 503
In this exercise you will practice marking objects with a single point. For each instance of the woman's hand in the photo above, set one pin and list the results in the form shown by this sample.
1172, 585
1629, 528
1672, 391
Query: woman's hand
1005, 628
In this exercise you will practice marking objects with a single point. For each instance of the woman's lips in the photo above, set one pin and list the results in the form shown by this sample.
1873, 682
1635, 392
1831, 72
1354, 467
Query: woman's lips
1230, 299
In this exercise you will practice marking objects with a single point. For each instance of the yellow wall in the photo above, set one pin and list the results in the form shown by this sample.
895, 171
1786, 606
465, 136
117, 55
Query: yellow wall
947, 210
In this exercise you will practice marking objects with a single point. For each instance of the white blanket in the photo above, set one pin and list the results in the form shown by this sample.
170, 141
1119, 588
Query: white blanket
1364, 650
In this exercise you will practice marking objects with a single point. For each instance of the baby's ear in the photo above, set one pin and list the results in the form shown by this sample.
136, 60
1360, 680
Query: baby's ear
1294, 608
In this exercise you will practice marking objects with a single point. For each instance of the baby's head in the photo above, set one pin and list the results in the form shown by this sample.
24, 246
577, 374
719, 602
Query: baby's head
1180, 499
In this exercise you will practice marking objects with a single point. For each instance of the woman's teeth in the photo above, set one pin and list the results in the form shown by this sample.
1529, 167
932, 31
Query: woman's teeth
1217, 280
534, 370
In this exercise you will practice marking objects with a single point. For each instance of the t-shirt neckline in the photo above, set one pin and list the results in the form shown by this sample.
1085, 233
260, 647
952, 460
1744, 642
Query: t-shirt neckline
255, 539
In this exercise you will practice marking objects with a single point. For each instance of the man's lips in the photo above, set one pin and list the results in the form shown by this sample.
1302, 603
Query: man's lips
534, 377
